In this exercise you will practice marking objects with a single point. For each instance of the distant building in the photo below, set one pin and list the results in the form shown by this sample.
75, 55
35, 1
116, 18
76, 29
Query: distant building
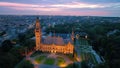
52, 44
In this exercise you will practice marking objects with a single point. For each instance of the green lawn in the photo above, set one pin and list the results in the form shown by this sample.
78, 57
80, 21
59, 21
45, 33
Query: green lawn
60, 61
49, 61
40, 58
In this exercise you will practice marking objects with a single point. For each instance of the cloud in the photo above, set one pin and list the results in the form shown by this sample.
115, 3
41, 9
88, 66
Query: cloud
8, 4
78, 5
60, 6
82, 13
73, 8
36, 9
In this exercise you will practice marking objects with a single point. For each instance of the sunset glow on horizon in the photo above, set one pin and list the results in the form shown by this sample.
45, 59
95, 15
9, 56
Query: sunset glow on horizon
45, 7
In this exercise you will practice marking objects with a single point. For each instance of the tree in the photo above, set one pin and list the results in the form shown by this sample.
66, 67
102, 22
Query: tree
6, 45
26, 64
7, 60
84, 64
22, 38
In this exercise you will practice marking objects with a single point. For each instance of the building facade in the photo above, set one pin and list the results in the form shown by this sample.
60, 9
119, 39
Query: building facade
67, 48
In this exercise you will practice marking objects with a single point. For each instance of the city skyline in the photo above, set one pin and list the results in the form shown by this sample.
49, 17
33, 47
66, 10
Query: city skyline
61, 7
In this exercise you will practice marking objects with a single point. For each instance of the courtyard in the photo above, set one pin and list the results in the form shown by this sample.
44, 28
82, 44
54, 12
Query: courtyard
49, 60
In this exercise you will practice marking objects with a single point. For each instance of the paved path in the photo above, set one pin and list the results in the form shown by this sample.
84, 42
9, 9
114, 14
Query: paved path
47, 66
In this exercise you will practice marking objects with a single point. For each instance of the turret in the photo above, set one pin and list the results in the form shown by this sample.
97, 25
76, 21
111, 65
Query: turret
72, 36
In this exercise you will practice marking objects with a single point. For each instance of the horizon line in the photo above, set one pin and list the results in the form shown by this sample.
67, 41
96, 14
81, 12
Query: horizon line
55, 15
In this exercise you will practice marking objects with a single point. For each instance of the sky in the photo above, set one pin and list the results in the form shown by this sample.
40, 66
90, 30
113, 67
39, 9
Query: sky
61, 7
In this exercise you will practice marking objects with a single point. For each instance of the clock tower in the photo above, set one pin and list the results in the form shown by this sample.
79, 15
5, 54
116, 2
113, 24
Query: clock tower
38, 34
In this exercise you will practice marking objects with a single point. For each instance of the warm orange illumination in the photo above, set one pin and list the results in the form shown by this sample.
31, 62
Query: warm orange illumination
53, 48
78, 59
34, 62
63, 65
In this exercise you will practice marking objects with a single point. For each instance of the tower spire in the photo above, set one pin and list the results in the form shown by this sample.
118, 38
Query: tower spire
37, 34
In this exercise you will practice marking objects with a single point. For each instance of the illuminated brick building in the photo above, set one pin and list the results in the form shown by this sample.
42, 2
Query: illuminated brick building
52, 44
